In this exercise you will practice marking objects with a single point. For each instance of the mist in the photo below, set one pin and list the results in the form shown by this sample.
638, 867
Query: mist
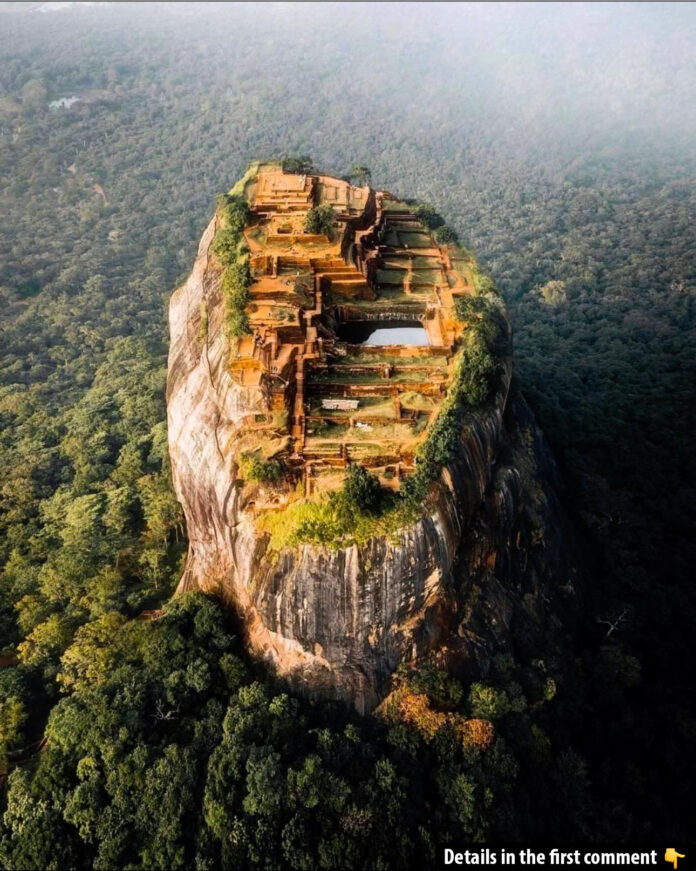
562, 77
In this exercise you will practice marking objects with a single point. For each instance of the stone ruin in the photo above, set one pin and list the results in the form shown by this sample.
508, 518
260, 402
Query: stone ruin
345, 402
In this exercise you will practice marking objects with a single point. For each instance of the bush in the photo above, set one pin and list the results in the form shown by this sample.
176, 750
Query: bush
234, 210
225, 246
428, 216
467, 308
320, 220
302, 165
263, 471
469, 388
484, 283
235, 287
361, 488
478, 366
445, 235
229, 247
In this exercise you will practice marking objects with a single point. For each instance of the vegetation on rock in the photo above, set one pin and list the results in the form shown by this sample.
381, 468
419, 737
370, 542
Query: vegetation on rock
320, 220
301, 165
362, 489
264, 471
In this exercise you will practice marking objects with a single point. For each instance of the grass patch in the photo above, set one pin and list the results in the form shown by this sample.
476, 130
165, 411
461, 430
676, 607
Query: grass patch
241, 184
426, 276
332, 521
414, 239
391, 276
369, 406
411, 399
339, 375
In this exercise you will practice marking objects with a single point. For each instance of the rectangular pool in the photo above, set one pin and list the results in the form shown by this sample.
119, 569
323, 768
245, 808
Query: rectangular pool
382, 333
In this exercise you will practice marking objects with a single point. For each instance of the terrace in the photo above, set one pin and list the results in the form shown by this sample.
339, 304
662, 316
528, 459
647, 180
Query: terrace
353, 333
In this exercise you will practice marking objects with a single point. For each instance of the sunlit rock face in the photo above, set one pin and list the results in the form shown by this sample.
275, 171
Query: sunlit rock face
488, 568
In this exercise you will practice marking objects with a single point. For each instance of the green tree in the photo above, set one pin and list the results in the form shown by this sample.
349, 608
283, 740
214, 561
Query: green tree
320, 220
302, 165
445, 235
360, 175
429, 216
362, 489
265, 471
12, 717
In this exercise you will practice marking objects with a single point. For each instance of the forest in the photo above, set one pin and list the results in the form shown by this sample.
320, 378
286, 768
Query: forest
558, 142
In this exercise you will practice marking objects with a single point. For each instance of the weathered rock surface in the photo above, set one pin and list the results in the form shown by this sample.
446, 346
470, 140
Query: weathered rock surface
484, 571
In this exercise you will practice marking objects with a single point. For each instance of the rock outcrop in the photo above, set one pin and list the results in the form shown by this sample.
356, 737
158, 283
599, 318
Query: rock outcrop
489, 565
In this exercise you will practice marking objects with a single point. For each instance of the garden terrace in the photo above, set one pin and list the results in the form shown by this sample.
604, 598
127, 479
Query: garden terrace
375, 273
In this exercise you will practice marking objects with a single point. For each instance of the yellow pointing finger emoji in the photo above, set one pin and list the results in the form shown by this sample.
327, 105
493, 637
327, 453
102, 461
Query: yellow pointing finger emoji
671, 855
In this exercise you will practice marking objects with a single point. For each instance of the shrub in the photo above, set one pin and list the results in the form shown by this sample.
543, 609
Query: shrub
234, 210
484, 283
429, 216
225, 246
304, 288
300, 165
478, 366
469, 388
320, 220
263, 471
237, 323
362, 489
467, 308
230, 248
235, 287
444, 235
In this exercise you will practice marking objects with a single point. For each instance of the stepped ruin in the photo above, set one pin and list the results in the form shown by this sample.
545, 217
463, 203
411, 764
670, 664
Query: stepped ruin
381, 264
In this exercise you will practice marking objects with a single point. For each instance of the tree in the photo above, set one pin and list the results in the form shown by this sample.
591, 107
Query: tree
445, 235
12, 718
235, 286
225, 245
487, 702
554, 293
302, 165
44, 645
360, 175
320, 220
265, 471
429, 216
362, 488
93, 655
234, 210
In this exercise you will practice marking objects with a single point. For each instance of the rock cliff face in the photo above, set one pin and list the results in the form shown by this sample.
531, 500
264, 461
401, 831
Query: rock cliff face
486, 569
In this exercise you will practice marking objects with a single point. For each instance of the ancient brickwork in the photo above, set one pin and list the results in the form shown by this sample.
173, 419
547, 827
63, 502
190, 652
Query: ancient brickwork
378, 267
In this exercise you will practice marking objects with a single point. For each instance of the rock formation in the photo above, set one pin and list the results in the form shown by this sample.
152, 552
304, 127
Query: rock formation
484, 567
